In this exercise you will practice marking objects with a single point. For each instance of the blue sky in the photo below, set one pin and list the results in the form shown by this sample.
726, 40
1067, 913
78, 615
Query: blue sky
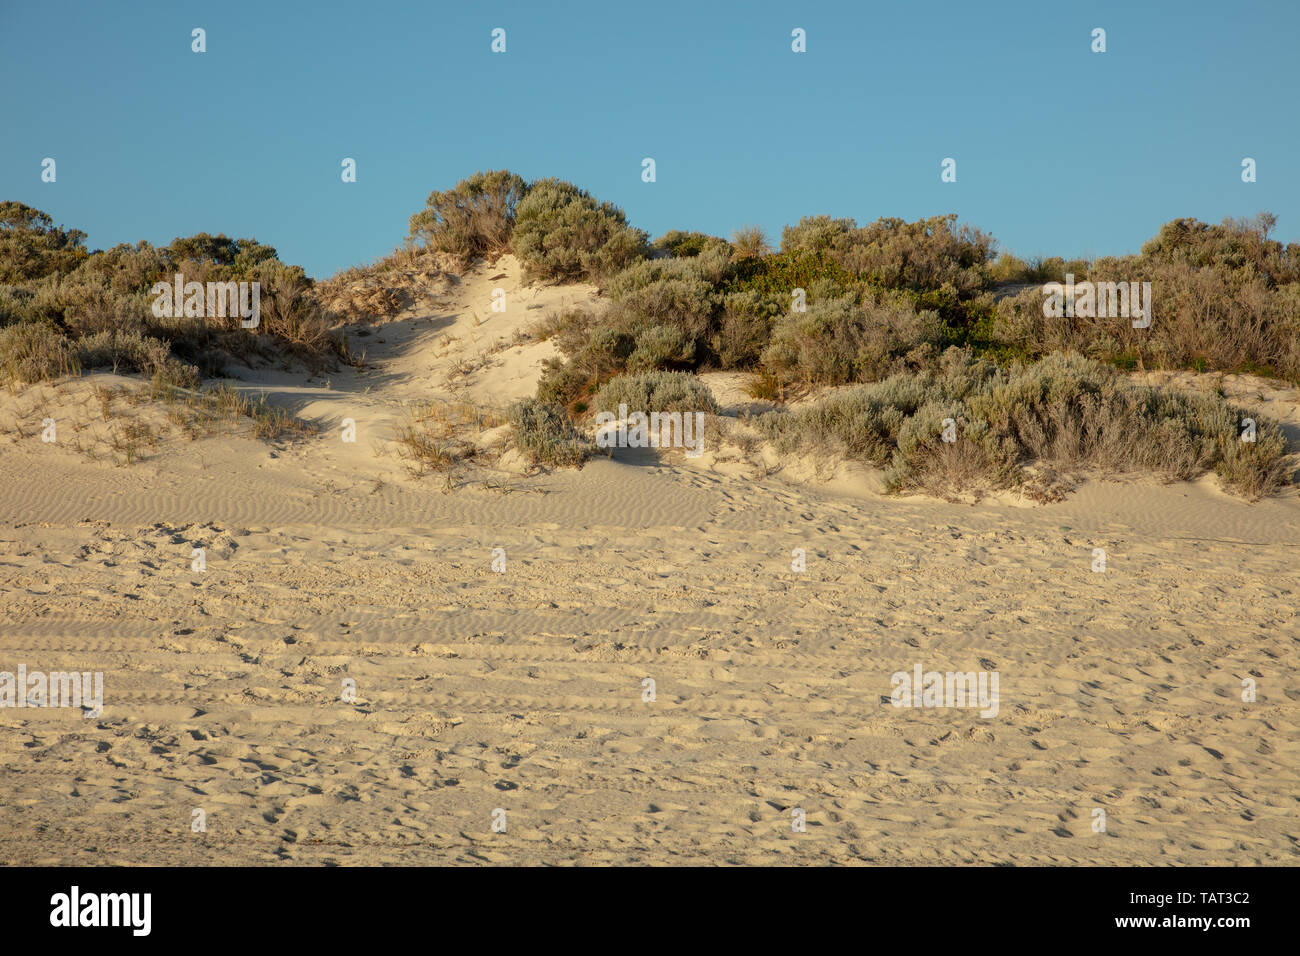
1059, 150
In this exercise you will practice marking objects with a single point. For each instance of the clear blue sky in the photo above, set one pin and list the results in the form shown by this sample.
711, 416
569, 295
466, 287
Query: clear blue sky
1058, 149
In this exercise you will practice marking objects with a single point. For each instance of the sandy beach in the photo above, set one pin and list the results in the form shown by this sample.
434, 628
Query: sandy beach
523, 688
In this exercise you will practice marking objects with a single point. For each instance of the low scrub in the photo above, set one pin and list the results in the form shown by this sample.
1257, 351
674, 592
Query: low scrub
685, 245
1224, 297
852, 339
546, 435
34, 352
1065, 412
656, 392
133, 352
926, 254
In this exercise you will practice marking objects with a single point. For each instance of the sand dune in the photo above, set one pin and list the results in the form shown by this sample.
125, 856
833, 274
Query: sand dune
523, 690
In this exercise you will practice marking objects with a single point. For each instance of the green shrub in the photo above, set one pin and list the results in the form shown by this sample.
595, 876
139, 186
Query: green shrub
919, 255
563, 234
744, 328
1008, 268
656, 392
32, 247
473, 219
571, 382
685, 245
843, 340
675, 299
816, 234
779, 275
546, 435
661, 346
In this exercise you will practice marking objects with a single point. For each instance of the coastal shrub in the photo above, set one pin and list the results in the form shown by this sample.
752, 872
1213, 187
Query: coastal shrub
750, 242
545, 434
897, 254
101, 302
685, 245
32, 247
1233, 246
656, 392
1065, 411
474, 218
666, 293
133, 352
779, 275
1232, 315
845, 339
563, 234
744, 328
34, 352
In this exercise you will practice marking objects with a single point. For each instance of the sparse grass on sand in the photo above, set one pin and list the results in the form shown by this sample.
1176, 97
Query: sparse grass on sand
437, 435
136, 420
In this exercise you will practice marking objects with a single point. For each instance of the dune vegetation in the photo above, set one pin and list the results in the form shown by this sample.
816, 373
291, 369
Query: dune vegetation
64, 308
891, 327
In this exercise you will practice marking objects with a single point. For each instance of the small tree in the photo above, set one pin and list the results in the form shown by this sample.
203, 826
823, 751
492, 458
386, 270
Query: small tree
32, 247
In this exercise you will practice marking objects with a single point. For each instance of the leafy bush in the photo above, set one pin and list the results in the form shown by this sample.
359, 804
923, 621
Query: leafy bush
684, 245
563, 234
925, 254
779, 275
656, 392
473, 219
546, 435
845, 339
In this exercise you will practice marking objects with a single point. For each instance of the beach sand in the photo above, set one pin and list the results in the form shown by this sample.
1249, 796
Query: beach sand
523, 690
